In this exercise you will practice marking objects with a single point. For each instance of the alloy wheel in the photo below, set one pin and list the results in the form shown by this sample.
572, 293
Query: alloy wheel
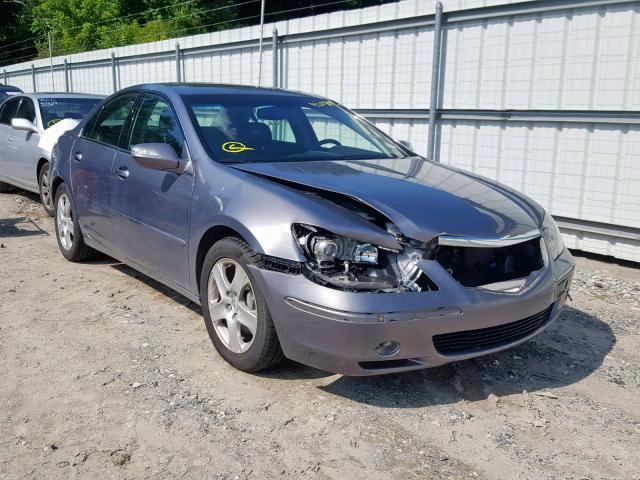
64, 220
232, 305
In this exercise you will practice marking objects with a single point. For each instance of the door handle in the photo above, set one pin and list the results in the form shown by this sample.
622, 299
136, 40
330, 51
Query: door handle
123, 172
77, 156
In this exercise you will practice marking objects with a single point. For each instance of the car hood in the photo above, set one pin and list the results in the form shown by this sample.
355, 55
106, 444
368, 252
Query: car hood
421, 198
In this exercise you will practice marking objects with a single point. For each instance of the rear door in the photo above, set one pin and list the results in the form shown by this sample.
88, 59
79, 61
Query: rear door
7, 112
151, 207
92, 163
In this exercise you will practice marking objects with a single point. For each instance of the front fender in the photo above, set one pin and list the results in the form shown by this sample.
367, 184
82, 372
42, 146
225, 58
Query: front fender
264, 211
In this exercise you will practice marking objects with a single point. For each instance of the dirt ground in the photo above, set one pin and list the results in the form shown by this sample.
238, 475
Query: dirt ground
107, 374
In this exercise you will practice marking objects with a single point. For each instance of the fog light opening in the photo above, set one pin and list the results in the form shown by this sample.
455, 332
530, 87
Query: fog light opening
387, 349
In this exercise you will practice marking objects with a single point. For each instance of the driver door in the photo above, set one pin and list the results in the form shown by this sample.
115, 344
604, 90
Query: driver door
22, 147
151, 207
7, 112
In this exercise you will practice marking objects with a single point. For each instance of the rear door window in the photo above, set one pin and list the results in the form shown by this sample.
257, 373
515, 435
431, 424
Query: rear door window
110, 121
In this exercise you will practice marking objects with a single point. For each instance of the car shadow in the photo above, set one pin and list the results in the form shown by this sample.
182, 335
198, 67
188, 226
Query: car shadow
568, 351
157, 286
20, 227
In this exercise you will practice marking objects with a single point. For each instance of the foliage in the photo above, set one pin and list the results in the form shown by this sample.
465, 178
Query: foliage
84, 25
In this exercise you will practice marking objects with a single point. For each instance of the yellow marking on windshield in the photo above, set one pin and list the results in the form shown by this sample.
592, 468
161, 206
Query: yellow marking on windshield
235, 147
324, 103
53, 122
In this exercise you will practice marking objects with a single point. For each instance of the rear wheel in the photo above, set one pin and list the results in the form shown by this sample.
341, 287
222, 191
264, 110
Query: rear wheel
45, 189
235, 313
68, 234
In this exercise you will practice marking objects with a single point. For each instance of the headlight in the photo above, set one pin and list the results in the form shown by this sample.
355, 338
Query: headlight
552, 236
328, 250
348, 264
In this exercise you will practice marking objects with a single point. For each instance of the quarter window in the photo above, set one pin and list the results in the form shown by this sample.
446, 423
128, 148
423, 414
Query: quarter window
111, 119
156, 122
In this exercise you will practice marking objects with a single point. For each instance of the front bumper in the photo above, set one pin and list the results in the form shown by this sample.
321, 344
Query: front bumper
339, 331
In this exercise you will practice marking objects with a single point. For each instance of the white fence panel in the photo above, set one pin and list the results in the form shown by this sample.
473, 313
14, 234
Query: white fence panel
569, 58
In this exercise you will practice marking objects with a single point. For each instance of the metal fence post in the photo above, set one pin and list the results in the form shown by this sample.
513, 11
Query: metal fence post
114, 77
275, 57
178, 66
435, 81
66, 76
33, 77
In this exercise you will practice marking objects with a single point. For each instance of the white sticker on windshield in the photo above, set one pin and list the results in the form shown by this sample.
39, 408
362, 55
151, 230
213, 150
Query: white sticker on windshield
48, 102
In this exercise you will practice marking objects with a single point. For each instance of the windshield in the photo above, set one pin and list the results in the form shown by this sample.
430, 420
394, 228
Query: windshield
55, 109
277, 128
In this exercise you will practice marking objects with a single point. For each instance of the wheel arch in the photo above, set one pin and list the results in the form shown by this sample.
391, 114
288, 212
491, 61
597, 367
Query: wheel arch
41, 162
57, 181
213, 235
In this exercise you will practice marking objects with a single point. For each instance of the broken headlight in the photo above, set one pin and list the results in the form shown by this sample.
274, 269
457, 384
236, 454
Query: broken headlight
348, 264
552, 236
327, 250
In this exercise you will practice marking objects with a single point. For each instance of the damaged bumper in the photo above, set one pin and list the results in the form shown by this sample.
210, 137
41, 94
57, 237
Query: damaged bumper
356, 333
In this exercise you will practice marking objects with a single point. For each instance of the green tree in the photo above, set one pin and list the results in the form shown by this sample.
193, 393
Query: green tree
84, 25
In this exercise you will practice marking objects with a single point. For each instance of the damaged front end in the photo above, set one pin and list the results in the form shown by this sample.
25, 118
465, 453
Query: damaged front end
506, 265
347, 264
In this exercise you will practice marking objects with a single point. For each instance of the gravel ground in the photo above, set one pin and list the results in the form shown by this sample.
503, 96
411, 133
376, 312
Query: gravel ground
107, 374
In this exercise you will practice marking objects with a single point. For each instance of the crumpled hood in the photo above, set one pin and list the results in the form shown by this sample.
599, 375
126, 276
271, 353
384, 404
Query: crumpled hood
421, 198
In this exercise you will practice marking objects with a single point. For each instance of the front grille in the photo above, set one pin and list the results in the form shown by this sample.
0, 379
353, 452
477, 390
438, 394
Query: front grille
477, 266
472, 341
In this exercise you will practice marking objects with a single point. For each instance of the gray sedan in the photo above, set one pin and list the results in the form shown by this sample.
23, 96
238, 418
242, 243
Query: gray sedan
304, 231
23, 119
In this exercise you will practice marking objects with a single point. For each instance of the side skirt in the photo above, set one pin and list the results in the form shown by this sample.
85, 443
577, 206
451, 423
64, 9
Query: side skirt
136, 266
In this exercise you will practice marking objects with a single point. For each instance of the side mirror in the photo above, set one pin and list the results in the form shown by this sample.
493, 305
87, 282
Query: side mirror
23, 124
406, 143
157, 156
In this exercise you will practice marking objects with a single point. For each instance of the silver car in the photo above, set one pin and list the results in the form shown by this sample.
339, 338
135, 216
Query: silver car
23, 119
304, 231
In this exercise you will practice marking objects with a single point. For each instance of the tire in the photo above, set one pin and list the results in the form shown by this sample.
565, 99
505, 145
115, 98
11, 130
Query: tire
4, 187
68, 234
251, 351
45, 190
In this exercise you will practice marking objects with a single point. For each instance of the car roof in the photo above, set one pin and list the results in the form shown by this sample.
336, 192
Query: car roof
219, 89
39, 95
9, 88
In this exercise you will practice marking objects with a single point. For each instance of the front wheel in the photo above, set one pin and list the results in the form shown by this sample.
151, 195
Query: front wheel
68, 234
235, 312
45, 189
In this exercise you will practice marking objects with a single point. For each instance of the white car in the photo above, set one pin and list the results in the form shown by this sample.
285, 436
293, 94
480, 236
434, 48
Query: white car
24, 120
